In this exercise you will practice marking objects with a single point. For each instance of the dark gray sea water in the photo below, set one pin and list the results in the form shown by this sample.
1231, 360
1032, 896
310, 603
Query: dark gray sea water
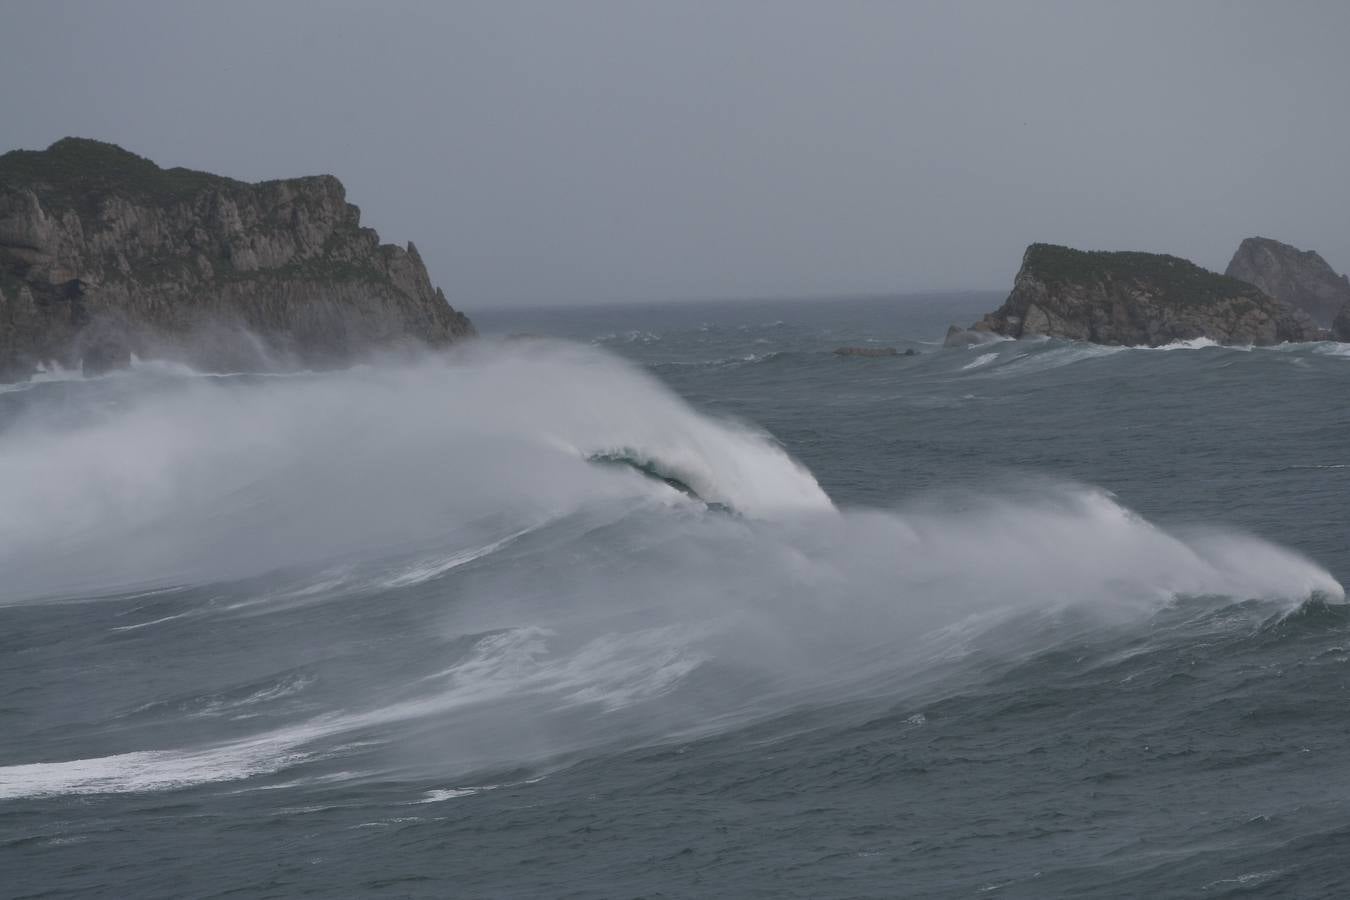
1032, 619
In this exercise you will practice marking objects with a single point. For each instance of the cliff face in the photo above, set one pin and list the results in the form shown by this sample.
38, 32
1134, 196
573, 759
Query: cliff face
1301, 278
1137, 299
104, 254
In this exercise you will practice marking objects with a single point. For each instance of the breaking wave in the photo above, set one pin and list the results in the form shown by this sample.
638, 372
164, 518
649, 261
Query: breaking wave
518, 602
175, 478
1036, 355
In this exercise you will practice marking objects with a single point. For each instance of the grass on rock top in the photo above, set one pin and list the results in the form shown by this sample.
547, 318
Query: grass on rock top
1179, 278
75, 170
79, 164
77, 173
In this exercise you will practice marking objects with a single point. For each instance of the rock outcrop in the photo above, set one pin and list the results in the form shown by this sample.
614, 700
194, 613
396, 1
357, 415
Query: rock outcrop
104, 254
1340, 326
1301, 278
1135, 299
868, 351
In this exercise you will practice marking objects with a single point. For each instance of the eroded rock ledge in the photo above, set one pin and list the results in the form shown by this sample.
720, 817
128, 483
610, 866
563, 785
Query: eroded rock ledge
104, 254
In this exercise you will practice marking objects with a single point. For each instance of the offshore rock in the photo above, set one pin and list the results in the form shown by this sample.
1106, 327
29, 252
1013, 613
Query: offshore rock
867, 351
104, 254
1301, 278
1136, 299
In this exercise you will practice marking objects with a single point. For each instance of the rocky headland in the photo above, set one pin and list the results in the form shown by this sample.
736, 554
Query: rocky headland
1301, 278
1134, 299
103, 254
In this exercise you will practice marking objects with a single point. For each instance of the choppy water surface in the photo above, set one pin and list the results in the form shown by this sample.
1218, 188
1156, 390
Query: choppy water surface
1029, 619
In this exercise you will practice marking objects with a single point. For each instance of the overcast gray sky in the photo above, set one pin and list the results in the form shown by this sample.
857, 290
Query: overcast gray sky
575, 151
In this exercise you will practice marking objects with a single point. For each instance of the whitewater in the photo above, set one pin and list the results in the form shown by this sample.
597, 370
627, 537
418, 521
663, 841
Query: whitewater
1029, 618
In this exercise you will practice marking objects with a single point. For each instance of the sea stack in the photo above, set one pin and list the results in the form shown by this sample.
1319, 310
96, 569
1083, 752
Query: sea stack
1134, 299
1300, 278
104, 254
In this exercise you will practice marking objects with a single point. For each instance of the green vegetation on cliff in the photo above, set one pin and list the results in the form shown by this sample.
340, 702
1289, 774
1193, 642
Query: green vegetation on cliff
74, 166
1180, 279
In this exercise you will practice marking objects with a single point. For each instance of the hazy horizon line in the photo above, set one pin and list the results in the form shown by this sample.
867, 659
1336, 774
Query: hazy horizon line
469, 306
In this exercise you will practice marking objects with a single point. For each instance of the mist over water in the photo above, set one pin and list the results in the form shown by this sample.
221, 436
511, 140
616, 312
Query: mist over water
407, 587
157, 476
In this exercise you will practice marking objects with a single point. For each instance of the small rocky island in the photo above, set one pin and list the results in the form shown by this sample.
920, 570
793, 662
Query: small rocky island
104, 254
1135, 299
1301, 278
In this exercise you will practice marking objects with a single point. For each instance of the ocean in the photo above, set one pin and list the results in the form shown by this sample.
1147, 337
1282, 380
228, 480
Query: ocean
671, 601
